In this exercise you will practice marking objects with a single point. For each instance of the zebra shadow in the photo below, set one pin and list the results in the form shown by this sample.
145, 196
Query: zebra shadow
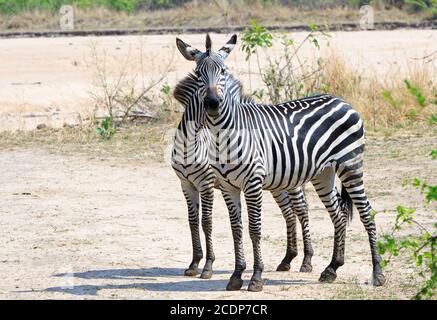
149, 281
140, 274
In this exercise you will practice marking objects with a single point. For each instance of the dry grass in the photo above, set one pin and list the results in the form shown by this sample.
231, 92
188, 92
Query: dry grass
394, 96
385, 101
365, 92
136, 141
127, 91
220, 13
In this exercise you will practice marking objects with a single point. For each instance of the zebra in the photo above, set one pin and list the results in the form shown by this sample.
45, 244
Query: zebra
190, 162
257, 147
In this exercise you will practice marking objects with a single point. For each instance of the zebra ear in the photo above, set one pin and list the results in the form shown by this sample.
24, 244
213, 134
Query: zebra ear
208, 43
187, 51
227, 48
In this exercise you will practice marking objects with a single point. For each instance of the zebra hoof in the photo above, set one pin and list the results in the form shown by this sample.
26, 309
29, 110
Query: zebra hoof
255, 286
306, 268
378, 280
191, 272
206, 274
283, 267
329, 275
234, 284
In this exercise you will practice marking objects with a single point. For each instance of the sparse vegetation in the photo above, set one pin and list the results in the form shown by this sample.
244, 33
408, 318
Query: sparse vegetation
118, 97
145, 141
407, 101
421, 247
107, 129
388, 100
383, 101
34, 15
131, 6
290, 75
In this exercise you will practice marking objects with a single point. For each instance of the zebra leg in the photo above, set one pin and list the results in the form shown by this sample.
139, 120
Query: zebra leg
233, 202
253, 196
283, 200
300, 208
324, 184
192, 197
207, 197
352, 179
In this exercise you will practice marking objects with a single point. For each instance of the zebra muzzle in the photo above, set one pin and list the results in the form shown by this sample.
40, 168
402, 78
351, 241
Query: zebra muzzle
212, 103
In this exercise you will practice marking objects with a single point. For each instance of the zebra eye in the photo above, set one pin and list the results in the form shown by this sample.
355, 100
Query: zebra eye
223, 71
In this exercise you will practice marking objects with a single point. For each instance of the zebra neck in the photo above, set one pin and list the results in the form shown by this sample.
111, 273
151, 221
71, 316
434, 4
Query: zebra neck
192, 121
226, 120
189, 142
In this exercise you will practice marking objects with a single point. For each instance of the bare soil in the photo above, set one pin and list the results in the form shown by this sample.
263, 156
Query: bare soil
78, 225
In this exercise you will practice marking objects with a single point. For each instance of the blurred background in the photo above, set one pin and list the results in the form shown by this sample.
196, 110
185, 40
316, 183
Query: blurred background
33, 15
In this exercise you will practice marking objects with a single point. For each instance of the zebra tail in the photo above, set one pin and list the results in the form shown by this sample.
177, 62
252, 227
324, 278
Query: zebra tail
346, 203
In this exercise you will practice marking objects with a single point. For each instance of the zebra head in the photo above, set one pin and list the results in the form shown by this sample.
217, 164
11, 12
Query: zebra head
210, 71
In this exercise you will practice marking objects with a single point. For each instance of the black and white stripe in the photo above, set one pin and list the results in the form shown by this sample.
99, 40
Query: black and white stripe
190, 162
282, 147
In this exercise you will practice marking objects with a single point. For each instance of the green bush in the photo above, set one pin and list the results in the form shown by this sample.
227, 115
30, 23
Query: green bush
420, 246
107, 129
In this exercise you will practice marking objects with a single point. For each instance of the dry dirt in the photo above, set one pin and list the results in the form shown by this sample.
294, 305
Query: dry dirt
78, 226
49, 80
81, 225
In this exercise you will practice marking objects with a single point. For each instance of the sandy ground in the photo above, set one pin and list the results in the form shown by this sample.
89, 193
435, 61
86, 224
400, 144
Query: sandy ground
81, 227
49, 80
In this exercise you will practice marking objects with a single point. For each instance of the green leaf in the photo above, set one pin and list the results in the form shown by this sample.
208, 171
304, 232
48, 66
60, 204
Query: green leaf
414, 91
417, 3
313, 27
427, 255
431, 194
286, 41
416, 182
409, 243
258, 93
404, 214
419, 260
387, 95
166, 89
373, 214
255, 36
384, 263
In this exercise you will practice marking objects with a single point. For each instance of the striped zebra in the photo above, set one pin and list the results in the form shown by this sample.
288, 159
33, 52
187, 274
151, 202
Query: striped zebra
190, 162
281, 147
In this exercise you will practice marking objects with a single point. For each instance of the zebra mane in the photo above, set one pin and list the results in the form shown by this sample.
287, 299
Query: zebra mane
185, 88
239, 92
